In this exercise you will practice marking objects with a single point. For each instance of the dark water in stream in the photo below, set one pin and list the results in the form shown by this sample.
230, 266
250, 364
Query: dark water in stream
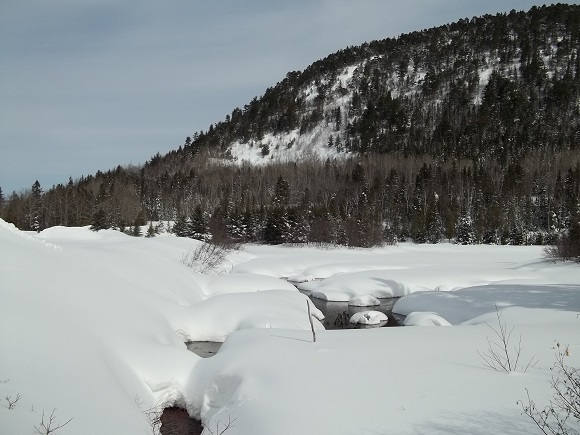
176, 421
337, 314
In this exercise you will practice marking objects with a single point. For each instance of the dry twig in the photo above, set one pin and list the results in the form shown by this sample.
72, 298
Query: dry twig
501, 356
50, 425
12, 402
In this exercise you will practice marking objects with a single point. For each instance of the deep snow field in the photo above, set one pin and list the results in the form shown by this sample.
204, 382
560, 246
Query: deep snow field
93, 325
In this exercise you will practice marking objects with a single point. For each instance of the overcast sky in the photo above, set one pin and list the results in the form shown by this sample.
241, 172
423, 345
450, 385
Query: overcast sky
87, 85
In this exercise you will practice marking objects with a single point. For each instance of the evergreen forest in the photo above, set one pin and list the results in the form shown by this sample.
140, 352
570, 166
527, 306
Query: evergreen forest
468, 132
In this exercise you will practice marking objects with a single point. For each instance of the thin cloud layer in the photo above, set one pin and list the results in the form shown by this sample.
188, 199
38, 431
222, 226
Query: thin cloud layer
87, 86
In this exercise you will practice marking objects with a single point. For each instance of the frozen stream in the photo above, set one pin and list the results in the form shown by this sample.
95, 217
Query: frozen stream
336, 314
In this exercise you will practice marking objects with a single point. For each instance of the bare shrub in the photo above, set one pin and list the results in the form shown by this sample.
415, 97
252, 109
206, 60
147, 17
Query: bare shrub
12, 402
154, 418
49, 424
501, 355
207, 257
218, 431
563, 410
153, 414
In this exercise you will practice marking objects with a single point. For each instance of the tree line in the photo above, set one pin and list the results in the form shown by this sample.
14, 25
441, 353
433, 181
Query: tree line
468, 131
359, 201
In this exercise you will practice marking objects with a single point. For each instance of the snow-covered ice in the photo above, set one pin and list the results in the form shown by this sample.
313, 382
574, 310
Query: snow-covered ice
94, 324
364, 301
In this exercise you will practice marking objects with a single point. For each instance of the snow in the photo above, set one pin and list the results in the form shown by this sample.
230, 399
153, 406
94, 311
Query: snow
93, 325
418, 318
280, 309
364, 301
369, 318
458, 306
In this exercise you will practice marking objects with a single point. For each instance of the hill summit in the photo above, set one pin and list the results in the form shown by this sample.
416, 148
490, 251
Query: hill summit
469, 131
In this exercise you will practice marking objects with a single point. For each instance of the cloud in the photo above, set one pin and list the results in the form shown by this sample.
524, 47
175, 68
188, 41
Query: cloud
131, 79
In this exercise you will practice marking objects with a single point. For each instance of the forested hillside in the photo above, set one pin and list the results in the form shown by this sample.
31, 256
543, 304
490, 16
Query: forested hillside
469, 131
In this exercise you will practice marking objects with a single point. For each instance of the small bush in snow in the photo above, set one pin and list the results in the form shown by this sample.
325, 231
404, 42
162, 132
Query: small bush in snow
13, 401
501, 354
562, 414
206, 258
49, 424
218, 431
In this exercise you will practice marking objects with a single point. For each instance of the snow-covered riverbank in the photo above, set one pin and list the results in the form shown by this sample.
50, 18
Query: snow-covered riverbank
94, 324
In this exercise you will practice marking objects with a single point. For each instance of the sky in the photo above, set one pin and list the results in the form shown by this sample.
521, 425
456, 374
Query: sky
86, 85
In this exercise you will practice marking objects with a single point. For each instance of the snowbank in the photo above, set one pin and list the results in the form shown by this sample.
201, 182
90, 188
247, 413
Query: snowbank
425, 319
266, 309
463, 305
93, 325
364, 301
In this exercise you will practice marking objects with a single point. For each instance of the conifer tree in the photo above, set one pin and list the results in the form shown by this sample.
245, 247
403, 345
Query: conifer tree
36, 207
180, 228
198, 225
276, 227
464, 233
435, 230
151, 232
281, 193
135, 230
298, 227
100, 220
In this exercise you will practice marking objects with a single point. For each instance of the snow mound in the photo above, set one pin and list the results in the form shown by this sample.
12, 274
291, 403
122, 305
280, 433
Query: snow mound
425, 319
217, 317
72, 233
458, 306
300, 278
369, 318
330, 295
364, 301
244, 283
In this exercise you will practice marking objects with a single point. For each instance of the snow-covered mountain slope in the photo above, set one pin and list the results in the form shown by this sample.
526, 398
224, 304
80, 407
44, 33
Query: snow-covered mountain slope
418, 92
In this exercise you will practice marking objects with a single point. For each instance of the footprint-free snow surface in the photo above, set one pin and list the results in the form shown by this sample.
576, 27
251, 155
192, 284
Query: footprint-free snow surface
93, 326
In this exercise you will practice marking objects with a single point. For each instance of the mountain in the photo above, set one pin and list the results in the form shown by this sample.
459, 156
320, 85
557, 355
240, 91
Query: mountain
468, 131
485, 88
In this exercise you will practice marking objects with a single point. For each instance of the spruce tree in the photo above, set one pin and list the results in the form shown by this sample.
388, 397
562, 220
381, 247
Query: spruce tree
276, 227
151, 232
136, 230
464, 233
180, 228
516, 235
100, 220
435, 229
36, 207
198, 226
281, 193
298, 227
